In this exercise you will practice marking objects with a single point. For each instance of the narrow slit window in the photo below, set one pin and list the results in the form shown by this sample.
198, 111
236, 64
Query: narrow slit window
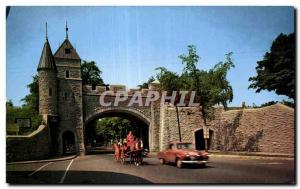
67, 74
73, 97
50, 91
66, 96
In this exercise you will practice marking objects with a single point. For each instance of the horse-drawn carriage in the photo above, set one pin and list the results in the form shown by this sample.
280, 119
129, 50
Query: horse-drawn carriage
132, 149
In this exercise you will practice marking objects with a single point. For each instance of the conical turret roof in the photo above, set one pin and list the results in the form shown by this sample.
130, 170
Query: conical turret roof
47, 59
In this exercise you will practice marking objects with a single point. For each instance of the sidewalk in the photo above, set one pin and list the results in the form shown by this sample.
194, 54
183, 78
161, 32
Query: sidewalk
262, 154
42, 161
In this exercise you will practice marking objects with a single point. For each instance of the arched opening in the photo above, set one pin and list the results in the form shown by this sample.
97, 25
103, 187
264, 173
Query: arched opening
68, 139
200, 140
104, 128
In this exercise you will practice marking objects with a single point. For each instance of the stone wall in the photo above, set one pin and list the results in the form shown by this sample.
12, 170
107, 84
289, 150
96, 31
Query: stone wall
190, 120
32, 147
267, 129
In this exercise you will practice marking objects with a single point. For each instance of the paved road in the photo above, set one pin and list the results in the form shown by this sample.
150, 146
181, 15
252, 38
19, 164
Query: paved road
101, 168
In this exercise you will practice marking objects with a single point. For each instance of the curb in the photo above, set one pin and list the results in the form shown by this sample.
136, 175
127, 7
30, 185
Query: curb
254, 155
42, 161
251, 156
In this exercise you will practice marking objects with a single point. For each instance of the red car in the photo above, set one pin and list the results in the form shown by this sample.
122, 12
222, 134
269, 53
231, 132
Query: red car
182, 153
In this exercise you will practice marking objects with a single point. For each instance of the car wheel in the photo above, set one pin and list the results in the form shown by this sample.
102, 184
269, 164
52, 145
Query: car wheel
203, 165
162, 161
179, 163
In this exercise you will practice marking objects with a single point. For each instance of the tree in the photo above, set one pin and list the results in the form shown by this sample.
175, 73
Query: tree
114, 128
170, 81
32, 99
146, 84
9, 103
90, 74
211, 87
276, 71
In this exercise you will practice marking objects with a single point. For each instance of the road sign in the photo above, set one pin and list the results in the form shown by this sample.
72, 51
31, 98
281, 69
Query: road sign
206, 133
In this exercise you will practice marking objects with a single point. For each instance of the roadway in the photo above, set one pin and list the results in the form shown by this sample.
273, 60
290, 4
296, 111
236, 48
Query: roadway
102, 169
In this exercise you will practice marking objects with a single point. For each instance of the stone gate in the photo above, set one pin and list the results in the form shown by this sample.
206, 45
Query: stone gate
67, 106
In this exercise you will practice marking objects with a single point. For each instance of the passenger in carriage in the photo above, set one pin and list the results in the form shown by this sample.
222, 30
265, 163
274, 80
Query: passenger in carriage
138, 144
130, 141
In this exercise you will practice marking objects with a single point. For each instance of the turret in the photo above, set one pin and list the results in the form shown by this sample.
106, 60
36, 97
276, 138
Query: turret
47, 73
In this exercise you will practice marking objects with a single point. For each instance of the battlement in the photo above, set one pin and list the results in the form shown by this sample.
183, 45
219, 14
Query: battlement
98, 90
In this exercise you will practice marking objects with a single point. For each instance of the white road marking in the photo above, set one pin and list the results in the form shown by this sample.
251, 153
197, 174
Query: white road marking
40, 168
65, 174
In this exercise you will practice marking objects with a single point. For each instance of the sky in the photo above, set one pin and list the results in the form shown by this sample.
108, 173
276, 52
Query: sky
128, 43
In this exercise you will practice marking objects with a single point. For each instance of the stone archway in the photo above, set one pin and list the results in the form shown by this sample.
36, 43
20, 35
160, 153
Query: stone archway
200, 141
94, 143
68, 142
130, 111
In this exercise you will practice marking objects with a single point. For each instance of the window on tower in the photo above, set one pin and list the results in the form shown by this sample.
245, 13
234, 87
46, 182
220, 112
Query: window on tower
50, 91
73, 97
67, 51
66, 96
67, 74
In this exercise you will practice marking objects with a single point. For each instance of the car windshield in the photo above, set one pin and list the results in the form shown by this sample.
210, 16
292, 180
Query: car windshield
185, 146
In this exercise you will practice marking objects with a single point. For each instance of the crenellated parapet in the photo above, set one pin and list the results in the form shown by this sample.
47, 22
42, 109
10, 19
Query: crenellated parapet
98, 90
113, 89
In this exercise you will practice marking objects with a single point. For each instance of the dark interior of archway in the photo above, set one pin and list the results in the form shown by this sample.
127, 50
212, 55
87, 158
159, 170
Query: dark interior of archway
200, 141
101, 132
68, 142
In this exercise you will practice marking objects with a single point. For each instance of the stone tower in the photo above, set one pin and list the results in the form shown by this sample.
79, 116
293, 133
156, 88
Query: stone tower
47, 83
70, 94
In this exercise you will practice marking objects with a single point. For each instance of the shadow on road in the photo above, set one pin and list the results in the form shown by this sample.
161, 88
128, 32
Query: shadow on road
73, 177
92, 152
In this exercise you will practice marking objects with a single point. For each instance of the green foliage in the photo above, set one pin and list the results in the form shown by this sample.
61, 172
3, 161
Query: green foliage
289, 103
170, 81
9, 103
212, 86
13, 112
276, 72
32, 99
90, 74
113, 127
146, 84
268, 103
29, 109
